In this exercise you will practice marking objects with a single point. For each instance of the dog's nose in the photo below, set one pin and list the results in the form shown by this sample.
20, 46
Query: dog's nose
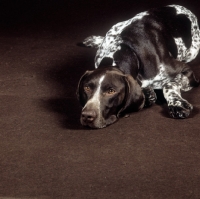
88, 115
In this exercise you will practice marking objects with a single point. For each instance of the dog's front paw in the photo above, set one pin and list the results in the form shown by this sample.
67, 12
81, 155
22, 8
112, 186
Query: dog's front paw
180, 109
150, 96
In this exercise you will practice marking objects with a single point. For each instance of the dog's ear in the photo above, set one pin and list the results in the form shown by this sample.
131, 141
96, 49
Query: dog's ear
134, 97
82, 97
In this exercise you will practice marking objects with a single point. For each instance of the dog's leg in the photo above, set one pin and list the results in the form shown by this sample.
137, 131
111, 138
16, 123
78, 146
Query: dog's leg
179, 107
150, 96
93, 41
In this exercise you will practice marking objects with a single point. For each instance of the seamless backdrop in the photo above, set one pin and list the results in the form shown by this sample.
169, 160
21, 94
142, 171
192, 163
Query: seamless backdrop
44, 151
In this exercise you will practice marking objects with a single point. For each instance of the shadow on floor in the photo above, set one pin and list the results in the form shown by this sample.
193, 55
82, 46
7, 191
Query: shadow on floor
67, 111
63, 78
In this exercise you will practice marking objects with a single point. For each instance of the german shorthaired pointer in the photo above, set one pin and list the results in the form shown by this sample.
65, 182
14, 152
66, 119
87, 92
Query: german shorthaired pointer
146, 52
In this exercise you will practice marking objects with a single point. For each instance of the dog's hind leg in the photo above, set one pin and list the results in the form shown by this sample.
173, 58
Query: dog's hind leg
179, 107
93, 41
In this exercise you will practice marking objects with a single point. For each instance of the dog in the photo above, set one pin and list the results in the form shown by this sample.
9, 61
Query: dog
147, 52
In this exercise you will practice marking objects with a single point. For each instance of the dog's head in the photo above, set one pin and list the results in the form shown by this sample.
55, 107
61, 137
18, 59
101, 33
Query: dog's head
105, 94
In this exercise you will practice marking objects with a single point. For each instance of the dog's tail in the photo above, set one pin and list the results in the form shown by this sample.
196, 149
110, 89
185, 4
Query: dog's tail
93, 41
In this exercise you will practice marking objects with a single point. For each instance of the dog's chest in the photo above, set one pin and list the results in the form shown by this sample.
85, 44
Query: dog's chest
158, 81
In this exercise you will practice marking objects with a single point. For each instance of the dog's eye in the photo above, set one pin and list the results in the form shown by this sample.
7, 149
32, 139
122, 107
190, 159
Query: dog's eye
87, 89
111, 91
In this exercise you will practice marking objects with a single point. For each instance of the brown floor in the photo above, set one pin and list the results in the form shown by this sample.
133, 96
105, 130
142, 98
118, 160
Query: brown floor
44, 151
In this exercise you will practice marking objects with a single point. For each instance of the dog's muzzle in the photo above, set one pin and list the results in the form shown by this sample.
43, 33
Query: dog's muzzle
88, 116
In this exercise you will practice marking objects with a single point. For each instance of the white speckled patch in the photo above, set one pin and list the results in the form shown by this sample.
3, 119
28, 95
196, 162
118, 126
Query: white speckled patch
93, 41
185, 54
158, 81
112, 39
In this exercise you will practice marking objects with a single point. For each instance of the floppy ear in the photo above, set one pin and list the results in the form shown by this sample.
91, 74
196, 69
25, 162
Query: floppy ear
134, 97
82, 97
